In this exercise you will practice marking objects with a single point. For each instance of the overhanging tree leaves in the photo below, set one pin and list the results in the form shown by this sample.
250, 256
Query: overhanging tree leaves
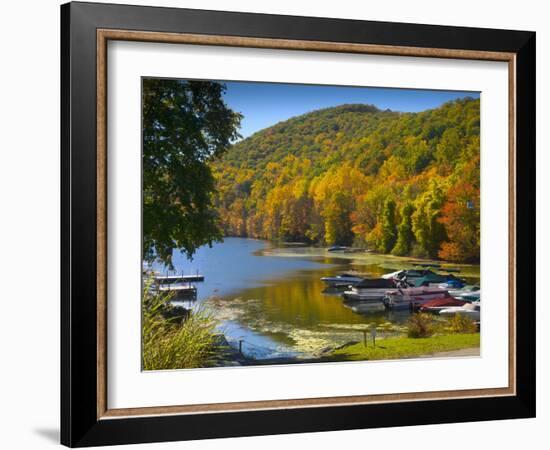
185, 125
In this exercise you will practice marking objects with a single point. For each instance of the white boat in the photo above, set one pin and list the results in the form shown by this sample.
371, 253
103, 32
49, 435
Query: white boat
471, 310
413, 297
337, 248
370, 290
474, 296
342, 280
394, 275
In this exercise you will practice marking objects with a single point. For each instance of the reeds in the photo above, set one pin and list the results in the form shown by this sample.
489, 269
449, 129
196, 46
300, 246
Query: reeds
175, 343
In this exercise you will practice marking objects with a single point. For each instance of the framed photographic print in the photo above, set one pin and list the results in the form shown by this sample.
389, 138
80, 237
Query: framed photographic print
276, 224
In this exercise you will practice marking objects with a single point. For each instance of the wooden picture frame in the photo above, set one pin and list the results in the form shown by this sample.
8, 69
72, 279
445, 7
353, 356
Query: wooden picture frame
85, 417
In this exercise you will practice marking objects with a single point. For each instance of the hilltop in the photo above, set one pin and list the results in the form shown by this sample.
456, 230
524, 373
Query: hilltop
405, 183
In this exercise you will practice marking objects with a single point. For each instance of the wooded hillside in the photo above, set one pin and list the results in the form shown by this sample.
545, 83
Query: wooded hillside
401, 183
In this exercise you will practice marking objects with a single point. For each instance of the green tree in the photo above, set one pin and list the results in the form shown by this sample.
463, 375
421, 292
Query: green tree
405, 235
428, 229
185, 124
389, 229
337, 220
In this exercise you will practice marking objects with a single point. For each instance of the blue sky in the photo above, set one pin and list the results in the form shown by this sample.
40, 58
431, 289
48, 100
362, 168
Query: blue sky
265, 104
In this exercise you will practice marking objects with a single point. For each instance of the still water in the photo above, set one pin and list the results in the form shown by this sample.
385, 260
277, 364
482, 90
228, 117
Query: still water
271, 297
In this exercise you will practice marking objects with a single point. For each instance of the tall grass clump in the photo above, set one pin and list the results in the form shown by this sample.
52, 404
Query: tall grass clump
175, 342
421, 325
460, 323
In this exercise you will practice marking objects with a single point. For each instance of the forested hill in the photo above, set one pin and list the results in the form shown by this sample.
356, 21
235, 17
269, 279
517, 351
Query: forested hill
402, 183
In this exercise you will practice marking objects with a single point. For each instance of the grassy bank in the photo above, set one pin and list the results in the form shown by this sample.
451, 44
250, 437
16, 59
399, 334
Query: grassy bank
405, 347
171, 340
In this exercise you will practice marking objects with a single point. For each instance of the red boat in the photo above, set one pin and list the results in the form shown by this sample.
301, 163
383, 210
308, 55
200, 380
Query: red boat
434, 306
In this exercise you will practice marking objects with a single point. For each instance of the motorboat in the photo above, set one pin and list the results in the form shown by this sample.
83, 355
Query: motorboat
342, 280
337, 248
470, 296
434, 306
413, 297
467, 293
471, 310
410, 274
426, 277
395, 275
432, 279
370, 289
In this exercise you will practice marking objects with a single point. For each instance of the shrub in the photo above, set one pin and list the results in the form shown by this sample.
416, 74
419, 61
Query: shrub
185, 343
421, 325
460, 323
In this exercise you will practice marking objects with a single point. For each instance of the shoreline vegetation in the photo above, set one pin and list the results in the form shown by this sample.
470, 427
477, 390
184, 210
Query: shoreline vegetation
176, 338
365, 256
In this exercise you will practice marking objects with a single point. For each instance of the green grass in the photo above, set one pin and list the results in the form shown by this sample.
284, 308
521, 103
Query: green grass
405, 347
175, 344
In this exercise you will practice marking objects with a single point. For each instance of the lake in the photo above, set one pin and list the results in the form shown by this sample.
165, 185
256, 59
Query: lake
270, 296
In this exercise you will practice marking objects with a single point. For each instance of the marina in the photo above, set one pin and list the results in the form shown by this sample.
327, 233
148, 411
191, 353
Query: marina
295, 301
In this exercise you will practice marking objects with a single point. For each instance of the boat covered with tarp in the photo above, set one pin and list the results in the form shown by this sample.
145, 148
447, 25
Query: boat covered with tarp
434, 306
371, 289
413, 297
435, 279
342, 280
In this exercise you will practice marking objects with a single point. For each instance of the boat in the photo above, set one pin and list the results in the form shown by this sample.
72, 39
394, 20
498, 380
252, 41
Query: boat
413, 297
395, 275
474, 296
471, 310
466, 293
432, 279
415, 273
342, 280
337, 248
426, 277
434, 306
370, 289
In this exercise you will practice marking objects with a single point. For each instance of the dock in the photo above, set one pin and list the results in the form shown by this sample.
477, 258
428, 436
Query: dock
186, 291
169, 279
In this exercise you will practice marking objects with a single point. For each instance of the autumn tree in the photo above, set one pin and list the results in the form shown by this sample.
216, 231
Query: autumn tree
461, 217
337, 220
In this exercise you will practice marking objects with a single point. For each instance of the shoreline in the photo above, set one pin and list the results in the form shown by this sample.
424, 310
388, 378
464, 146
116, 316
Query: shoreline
396, 348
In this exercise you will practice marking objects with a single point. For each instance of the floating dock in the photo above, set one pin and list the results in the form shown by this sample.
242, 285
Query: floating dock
169, 279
